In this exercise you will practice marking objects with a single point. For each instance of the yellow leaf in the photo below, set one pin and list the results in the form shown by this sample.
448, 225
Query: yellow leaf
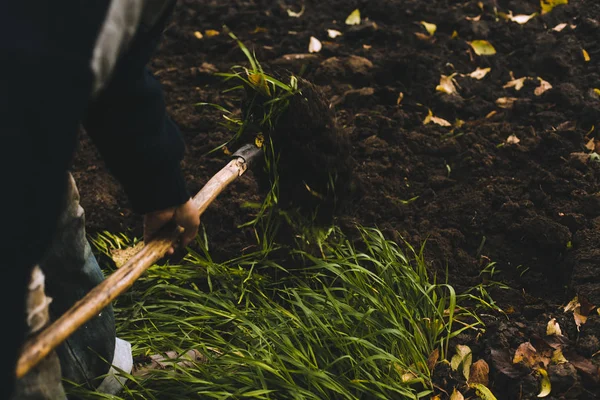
482, 47
558, 357
226, 151
400, 98
491, 114
456, 395
545, 386
482, 391
260, 83
198, 35
548, 5
454, 35
463, 356
586, 56
553, 328
211, 32
259, 140
480, 73
353, 18
597, 91
314, 45
429, 27
447, 84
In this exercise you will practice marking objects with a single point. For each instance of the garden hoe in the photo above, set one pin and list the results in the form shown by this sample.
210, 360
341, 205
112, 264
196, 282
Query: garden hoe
313, 169
123, 278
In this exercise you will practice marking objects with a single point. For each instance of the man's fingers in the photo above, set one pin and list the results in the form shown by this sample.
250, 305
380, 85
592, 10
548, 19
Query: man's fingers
190, 230
188, 218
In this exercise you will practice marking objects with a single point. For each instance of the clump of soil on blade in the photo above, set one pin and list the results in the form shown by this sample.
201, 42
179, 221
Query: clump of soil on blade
312, 155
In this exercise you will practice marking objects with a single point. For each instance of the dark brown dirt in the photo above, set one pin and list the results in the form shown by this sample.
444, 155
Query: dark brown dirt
533, 207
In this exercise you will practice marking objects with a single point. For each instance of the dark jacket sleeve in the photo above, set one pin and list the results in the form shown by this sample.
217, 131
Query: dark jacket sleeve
140, 144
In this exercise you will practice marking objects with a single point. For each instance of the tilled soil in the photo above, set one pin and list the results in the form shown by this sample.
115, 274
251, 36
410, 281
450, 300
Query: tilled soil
529, 204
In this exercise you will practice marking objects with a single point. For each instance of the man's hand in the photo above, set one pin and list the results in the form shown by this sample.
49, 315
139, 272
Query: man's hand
184, 215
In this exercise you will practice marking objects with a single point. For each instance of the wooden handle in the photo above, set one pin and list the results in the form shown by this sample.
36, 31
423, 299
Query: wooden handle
122, 279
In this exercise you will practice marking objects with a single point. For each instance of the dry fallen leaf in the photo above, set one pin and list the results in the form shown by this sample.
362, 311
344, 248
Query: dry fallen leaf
480, 371
506, 102
482, 47
479, 73
526, 354
446, 84
560, 27
474, 19
591, 145
198, 35
408, 376
519, 19
516, 83
548, 5
353, 18
314, 46
429, 27
211, 32
433, 359
456, 395
512, 139
121, 256
581, 308
491, 114
424, 37
332, 33
293, 14
544, 86
553, 328
436, 120
522, 19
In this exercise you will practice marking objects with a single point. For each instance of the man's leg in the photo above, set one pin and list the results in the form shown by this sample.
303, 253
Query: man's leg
43, 381
72, 271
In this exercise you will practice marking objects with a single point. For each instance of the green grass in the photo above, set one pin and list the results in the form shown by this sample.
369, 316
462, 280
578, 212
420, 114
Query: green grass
357, 322
325, 318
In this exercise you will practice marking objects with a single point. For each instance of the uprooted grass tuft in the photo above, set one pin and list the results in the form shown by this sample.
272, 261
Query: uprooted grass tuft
307, 159
359, 321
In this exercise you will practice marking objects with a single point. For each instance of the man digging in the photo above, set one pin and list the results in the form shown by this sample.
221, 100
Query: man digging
66, 64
